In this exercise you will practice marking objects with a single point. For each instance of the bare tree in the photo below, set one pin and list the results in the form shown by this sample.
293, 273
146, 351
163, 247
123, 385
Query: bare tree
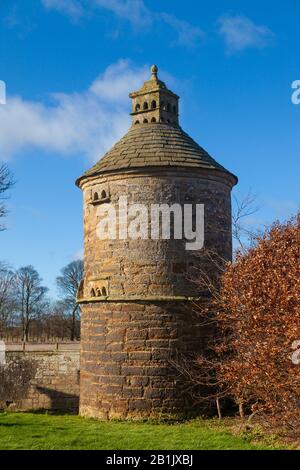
242, 210
7, 300
200, 371
30, 297
68, 284
6, 182
59, 321
203, 381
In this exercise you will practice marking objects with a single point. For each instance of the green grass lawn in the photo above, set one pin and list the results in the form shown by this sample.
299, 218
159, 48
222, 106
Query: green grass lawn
46, 431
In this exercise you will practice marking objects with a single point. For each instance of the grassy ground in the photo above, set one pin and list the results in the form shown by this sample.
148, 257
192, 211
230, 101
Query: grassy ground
46, 431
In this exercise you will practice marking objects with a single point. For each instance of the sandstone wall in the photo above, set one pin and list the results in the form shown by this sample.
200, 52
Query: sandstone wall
137, 319
56, 383
129, 356
147, 268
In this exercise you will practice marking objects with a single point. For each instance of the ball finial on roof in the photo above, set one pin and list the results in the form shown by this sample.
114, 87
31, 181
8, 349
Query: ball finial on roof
154, 69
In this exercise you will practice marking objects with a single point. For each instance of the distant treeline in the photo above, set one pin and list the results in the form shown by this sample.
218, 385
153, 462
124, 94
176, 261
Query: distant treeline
27, 313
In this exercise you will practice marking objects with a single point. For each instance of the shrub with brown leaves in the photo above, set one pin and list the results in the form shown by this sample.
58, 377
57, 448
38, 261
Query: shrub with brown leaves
259, 319
15, 377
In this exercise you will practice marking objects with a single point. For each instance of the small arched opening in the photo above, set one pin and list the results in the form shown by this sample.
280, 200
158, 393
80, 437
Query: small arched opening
103, 194
153, 119
137, 122
153, 104
93, 293
145, 121
137, 107
96, 196
145, 105
103, 291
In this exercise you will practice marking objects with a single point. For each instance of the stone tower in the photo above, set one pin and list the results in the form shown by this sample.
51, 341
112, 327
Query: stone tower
136, 293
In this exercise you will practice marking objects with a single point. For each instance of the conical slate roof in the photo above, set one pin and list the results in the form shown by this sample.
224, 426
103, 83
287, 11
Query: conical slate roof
155, 138
154, 145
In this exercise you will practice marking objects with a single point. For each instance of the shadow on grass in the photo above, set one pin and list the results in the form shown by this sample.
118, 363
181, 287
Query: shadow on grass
13, 425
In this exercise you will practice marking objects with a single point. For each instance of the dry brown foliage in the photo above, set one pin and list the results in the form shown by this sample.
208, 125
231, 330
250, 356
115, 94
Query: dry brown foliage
259, 318
15, 377
253, 308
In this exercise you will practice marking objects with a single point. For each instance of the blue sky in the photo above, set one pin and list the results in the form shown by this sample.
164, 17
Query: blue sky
68, 67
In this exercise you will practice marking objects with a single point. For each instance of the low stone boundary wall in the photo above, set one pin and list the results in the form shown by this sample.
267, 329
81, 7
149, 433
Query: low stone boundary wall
56, 383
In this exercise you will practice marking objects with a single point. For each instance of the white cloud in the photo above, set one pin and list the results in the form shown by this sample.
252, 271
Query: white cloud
86, 123
72, 8
188, 35
113, 85
240, 33
133, 11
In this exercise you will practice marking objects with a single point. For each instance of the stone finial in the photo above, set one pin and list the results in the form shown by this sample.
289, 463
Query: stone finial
154, 70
